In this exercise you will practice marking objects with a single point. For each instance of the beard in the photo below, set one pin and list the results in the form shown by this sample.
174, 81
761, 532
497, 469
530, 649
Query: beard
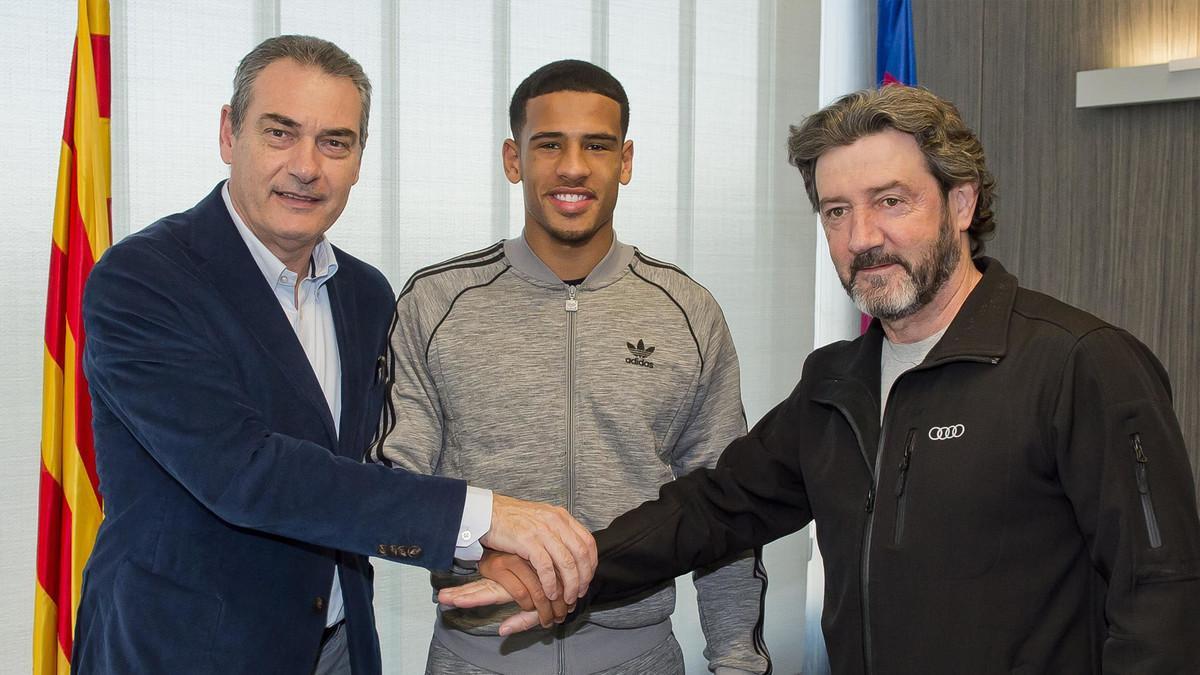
893, 299
576, 237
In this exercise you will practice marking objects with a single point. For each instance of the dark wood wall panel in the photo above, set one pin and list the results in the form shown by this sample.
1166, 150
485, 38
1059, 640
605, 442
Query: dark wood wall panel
958, 58
1099, 207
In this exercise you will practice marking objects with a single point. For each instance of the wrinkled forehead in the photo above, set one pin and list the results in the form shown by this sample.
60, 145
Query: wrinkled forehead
307, 95
878, 159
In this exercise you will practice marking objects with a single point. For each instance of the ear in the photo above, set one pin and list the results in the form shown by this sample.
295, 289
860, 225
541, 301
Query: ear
626, 162
510, 156
226, 135
962, 205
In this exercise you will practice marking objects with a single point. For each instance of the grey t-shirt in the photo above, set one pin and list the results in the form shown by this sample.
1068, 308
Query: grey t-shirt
896, 358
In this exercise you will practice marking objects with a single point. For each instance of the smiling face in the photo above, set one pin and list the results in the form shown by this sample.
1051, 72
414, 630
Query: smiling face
571, 158
894, 238
295, 158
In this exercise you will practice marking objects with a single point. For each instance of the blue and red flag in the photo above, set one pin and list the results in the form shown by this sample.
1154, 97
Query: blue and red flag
895, 54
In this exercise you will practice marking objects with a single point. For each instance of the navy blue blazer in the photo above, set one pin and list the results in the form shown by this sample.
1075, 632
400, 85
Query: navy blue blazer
228, 497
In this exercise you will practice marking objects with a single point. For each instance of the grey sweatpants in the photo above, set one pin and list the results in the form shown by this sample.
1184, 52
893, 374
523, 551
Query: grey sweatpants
664, 659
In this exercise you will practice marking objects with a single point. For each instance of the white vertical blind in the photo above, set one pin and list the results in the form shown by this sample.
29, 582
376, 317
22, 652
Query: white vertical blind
179, 66
647, 212
443, 146
35, 62
712, 88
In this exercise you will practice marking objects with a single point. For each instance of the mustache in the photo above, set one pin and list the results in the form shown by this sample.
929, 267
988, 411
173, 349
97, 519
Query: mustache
298, 189
874, 258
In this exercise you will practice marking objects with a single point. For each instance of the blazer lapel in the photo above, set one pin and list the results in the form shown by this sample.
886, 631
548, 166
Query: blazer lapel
345, 319
236, 277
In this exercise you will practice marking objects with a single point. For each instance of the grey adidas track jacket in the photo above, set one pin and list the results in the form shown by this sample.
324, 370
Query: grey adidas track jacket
588, 397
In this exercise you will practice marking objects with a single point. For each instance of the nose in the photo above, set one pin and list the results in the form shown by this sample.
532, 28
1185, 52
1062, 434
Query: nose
865, 233
304, 164
572, 163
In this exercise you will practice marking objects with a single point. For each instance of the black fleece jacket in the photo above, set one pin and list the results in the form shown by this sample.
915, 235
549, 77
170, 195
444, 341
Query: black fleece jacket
1025, 507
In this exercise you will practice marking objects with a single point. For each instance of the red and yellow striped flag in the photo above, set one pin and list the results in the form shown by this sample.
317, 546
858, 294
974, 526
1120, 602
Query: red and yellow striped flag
69, 505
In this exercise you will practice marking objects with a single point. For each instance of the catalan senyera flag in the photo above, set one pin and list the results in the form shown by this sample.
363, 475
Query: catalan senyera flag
69, 506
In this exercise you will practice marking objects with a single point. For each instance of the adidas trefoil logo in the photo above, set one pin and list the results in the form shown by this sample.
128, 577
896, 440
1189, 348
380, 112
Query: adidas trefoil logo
640, 354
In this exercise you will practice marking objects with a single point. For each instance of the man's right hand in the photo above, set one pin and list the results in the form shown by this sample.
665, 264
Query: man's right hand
557, 547
508, 578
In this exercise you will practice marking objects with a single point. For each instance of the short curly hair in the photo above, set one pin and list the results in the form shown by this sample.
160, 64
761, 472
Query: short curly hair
952, 151
566, 75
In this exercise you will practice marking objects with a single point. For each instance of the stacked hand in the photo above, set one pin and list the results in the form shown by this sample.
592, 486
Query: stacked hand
508, 578
560, 551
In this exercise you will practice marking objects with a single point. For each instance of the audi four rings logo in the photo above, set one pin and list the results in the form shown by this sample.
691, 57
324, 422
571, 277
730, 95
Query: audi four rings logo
946, 433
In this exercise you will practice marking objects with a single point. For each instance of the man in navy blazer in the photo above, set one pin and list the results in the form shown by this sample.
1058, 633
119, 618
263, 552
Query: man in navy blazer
232, 357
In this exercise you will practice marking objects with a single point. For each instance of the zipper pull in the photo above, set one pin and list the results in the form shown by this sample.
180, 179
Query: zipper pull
1143, 483
1138, 453
902, 478
572, 303
870, 499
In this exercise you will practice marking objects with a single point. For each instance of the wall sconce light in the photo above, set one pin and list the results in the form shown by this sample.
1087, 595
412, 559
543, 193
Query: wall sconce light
1176, 80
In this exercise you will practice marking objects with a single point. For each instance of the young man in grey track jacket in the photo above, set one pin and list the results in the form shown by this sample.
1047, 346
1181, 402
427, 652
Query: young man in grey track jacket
567, 367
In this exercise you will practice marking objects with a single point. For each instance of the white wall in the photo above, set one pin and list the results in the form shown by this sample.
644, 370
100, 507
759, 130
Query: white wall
847, 64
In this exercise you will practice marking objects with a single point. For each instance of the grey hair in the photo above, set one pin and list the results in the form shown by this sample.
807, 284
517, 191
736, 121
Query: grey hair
952, 151
307, 51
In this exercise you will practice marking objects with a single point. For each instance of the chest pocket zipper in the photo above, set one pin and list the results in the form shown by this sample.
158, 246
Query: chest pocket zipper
901, 481
1143, 488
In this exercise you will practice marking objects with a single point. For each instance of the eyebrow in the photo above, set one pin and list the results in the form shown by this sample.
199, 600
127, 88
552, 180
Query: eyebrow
340, 132
558, 135
546, 135
282, 120
890, 186
285, 121
872, 190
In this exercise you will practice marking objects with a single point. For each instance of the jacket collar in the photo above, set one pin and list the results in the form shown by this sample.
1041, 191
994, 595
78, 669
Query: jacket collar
528, 265
979, 330
323, 261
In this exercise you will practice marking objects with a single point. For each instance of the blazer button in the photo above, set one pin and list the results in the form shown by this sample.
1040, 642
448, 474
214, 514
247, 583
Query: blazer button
319, 604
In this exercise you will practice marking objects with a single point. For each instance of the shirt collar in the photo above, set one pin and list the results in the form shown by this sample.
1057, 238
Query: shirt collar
611, 267
324, 262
